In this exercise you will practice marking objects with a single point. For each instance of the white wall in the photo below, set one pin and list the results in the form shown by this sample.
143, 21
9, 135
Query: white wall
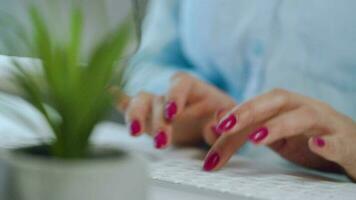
100, 14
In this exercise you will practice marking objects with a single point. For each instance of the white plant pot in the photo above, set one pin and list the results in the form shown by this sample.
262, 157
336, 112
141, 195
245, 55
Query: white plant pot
29, 177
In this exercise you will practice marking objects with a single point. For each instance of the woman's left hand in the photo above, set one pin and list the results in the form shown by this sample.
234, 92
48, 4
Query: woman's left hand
302, 130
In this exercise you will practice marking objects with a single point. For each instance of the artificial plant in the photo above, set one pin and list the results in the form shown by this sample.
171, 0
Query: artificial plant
70, 91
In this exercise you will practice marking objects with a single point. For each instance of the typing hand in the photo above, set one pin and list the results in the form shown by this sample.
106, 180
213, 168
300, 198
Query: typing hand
303, 130
185, 115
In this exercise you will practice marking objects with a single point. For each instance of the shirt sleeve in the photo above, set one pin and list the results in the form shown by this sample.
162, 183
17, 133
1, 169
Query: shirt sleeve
159, 55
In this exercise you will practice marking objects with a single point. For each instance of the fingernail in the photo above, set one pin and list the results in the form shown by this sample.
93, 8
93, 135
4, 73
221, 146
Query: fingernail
135, 127
318, 141
216, 131
160, 139
170, 110
211, 161
258, 135
227, 123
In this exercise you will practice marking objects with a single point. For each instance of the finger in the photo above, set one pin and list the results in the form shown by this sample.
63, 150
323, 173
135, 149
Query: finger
210, 131
161, 129
258, 109
202, 111
178, 93
288, 124
137, 113
296, 150
250, 114
333, 147
223, 149
287, 132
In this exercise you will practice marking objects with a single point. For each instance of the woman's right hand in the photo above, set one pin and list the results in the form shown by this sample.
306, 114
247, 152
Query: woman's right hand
185, 115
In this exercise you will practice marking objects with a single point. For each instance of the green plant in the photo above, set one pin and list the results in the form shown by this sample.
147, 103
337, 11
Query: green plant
70, 92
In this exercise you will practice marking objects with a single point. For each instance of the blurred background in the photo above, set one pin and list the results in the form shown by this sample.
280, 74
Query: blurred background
98, 14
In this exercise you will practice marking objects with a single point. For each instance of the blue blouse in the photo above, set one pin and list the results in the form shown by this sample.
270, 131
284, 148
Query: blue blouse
246, 47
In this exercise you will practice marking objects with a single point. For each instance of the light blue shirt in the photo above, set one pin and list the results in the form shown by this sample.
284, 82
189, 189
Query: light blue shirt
246, 47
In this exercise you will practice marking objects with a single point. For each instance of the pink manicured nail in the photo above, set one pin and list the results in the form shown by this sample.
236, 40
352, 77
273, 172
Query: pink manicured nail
216, 131
258, 135
211, 161
318, 141
227, 124
170, 110
135, 127
160, 139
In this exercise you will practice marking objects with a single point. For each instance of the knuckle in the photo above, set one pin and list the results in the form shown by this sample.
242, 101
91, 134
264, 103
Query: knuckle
310, 111
281, 129
332, 152
132, 111
281, 95
250, 110
279, 91
140, 102
342, 151
181, 76
158, 100
143, 94
139, 98
180, 82
137, 101
312, 114
286, 127
325, 107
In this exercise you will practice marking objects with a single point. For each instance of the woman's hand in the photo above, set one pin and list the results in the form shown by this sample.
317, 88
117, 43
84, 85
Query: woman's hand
300, 129
183, 116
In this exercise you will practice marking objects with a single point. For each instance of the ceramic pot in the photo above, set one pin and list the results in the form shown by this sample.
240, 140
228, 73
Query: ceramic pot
110, 175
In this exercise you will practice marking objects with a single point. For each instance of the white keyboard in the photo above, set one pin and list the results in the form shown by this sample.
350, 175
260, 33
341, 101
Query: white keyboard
253, 180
